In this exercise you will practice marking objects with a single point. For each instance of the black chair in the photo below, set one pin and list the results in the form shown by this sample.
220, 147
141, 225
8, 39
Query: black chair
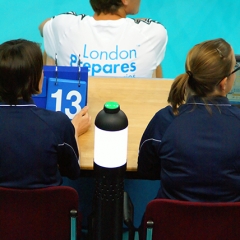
128, 215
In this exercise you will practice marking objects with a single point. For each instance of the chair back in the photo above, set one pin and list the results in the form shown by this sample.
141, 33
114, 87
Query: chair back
182, 220
27, 214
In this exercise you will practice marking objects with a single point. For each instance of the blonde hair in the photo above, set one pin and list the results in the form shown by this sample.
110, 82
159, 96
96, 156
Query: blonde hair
206, 65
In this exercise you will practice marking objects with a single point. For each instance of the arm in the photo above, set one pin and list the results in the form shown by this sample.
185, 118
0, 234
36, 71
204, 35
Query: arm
157, 34
148, 158
150, 154
158, 72
68, 152
42, 25
81, 122
47, 60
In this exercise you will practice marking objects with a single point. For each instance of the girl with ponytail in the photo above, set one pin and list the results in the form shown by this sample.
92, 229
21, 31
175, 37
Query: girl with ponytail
192, 145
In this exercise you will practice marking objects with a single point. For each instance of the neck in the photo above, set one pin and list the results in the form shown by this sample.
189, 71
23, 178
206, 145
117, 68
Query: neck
110, 16
218, 92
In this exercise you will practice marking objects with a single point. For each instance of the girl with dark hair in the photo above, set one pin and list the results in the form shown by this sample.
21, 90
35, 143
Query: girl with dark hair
38, 146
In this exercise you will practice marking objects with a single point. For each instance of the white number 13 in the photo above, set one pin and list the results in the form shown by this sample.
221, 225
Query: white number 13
76, 103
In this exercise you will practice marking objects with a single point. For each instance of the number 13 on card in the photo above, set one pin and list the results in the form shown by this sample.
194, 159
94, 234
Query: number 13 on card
66, 96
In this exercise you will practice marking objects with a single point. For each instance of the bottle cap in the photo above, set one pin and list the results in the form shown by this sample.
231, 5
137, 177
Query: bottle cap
111, 107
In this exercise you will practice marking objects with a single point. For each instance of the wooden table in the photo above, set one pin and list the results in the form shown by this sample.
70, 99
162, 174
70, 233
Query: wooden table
139, 99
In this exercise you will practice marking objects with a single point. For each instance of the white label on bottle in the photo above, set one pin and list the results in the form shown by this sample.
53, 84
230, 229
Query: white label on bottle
110, 147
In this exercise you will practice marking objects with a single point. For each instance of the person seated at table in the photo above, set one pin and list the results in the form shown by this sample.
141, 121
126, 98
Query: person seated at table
109, 43
192, 145
38, 146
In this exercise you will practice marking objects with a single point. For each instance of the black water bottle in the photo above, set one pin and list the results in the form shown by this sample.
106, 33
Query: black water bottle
110, 159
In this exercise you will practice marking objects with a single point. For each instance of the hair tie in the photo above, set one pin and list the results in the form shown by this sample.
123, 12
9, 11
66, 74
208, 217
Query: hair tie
189, 73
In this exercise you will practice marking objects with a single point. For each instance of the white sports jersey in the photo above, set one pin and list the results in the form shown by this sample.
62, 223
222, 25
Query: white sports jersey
121, 48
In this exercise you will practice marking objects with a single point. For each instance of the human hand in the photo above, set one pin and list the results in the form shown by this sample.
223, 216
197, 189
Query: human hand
81, 122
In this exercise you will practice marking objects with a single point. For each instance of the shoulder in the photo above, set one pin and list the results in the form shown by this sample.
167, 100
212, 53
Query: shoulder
157, 127
150, 28
165, 114
161, 120
70, 14
235, 111
68, 17
147, 23
51, 118
61, 23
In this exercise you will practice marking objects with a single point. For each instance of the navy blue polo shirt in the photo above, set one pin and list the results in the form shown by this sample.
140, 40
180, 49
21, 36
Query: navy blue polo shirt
196, 153
37, 147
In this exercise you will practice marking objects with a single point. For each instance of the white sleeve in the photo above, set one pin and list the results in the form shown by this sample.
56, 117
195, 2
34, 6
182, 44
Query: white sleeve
49, 39
53, 29
157, 35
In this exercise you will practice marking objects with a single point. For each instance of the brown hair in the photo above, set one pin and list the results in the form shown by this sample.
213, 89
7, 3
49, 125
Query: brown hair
206, 65
106, 6
21, 65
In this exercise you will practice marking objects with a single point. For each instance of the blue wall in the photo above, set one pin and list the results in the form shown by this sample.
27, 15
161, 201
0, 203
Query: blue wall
188, 22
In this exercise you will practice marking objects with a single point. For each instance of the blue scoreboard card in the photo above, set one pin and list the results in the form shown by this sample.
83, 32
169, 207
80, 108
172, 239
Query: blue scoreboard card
64, 89
40, 99
66, 95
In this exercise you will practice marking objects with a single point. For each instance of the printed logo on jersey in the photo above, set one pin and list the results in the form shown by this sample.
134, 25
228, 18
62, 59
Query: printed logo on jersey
116, 60
145, 20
